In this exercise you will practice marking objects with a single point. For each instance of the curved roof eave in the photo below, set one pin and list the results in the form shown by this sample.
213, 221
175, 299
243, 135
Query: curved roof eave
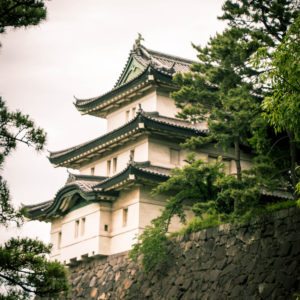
105, 190
133, 168
65, 194
92, 104
60, 158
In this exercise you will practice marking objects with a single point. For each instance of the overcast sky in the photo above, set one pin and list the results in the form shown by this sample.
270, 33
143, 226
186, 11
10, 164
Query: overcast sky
80, 51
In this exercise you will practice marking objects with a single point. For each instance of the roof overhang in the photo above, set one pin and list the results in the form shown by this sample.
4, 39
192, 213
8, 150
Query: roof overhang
141, 125
121, 95
75, 194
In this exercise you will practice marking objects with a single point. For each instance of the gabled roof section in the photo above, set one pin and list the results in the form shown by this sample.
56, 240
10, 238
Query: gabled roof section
125, 93
143, 122
144, 69
140, 57
78, 191
85, 189
82, 191
135, 171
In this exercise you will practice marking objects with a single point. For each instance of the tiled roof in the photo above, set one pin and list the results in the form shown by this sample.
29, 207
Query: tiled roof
141, 79
151, 119
108, 187
159, 62
176, 122
97, 189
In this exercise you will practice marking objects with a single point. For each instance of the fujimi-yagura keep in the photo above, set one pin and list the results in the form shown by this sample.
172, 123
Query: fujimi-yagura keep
101, 211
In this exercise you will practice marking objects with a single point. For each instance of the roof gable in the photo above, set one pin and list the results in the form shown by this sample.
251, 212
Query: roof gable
132, 69
141, 64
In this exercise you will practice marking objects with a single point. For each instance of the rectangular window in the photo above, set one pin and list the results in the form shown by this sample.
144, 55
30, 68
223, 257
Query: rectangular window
133, 112
82, 226
125, 216
105, 227
108, 167
127, 115
115, 161
174, 157
59, 240
76, 228
93, 171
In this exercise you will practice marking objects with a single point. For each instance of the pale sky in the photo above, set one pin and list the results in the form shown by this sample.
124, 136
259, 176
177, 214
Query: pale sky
80, 50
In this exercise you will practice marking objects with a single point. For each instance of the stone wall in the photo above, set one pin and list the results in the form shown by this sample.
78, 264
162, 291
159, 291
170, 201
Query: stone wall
260, 260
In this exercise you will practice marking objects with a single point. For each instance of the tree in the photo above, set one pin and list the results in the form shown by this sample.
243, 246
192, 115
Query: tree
266, 20
19, 13
215, 90
194, 185
24, 266
25, 270
223, 87
282, 107
268, 23
15, 127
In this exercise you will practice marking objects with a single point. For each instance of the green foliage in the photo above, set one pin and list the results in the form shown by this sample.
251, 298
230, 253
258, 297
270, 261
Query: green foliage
15, 127
24, 267
19, 13
264, 20
152, 247
224, 89
282, 205
197, 223
195, 183
237, 196
282, 108
216, 90
24, 264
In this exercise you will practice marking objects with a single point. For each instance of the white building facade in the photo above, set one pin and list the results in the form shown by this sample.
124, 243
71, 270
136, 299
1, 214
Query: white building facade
103, 209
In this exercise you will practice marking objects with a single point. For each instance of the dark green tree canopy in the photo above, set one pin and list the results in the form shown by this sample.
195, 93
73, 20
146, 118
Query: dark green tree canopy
25, 270
15, 127
19, 13
24, 266
263, 19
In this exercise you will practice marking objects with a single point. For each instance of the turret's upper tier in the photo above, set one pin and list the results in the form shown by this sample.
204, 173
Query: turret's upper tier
145, 72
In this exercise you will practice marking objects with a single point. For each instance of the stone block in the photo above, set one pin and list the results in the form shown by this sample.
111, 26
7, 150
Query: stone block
284, 249
93, 293
211, 232
93, 281
265, 289
237, 292
220, 265
220, 253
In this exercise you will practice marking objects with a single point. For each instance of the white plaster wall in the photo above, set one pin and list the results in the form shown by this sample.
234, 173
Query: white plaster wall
166, 106
151, 207
55, 229
159, 154
124, 242
122, 237
87, 243
118, 117
140, 155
